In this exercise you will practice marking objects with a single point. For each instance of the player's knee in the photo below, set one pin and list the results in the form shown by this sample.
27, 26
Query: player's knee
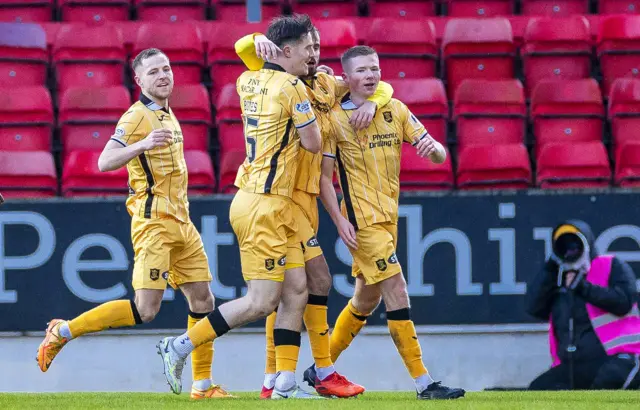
264, 304
147, 312
366, 303
319, 279
394, 293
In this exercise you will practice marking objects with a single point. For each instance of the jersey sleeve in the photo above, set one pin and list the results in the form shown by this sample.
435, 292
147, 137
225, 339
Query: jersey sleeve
383, 94
130, 128
297, 104
329, 145
246, 50
412, 129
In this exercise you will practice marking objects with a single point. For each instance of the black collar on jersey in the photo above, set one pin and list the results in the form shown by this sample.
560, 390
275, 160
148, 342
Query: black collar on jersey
150, 104
272, 66
346, 102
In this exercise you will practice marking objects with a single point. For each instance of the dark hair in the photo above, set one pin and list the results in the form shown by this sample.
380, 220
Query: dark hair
356, 51
143, 55
287, 29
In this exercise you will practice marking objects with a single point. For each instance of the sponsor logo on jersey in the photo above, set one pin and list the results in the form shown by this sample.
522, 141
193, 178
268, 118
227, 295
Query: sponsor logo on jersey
313, 242
282, 261
120, 132
165, 275
393, 258
304, 107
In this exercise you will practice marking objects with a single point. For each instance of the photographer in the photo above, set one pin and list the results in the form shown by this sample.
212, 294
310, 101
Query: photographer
590, 301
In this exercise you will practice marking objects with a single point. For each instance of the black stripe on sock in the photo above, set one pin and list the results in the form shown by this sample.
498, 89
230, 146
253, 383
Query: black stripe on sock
318, 300
400, 314
136, 314
219, 325
360, 318
283, 337
198, 315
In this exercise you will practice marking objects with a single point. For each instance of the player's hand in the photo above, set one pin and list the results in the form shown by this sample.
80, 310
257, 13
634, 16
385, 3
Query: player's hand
347, 233
427, 146
161, 137
363, 116
265, 48
324, 69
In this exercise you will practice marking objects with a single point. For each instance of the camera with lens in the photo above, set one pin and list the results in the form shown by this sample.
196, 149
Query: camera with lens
572, 253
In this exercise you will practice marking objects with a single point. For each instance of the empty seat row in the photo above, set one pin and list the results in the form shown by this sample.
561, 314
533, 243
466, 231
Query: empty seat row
98, 11
471, 48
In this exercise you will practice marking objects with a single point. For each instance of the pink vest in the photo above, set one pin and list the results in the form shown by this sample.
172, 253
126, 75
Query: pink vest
618, 334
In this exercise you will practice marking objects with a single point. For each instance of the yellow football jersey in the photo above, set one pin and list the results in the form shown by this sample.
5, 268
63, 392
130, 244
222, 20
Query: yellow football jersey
274, 105
369, 160
323, 90
158, 178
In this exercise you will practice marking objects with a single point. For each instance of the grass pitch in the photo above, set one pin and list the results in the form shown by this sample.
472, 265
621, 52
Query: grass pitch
614, 400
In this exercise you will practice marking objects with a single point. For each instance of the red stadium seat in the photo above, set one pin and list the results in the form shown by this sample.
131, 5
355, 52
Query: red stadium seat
402, 9
25, 11
573, 165
51, 32
624, 112
479, 8
619, 48
88, 116
23, 55
190, 104
477, 48
427, 100
26, 119
27, 174
233, 149
407, 49
224, 64
336, 37
554, 8
94, 11
627, 173
594, 26
567, 111
201, 177
618, 7
81, 177
556, 49
89, 56
503, 166
490, 112
236, 10
171, 11
325, 9
518, 27
440, 24
183, 46
417, 174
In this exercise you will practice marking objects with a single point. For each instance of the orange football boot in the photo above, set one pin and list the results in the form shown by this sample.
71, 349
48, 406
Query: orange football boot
338, 386
266, 393
51, 345
213, 392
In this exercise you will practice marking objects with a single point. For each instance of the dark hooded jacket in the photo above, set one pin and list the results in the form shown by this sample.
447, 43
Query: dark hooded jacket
545, 299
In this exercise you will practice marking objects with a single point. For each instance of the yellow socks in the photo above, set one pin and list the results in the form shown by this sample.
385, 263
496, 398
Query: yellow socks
110, 315
315, 320
202, 356
347, 327
270, 367
403, 333
287, 344
206, 330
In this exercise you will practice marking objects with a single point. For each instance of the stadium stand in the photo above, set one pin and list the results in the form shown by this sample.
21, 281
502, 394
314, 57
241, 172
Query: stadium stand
64, 76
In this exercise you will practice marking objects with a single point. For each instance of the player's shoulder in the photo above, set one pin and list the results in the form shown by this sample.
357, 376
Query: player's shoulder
324, 78
136, 110
397, 104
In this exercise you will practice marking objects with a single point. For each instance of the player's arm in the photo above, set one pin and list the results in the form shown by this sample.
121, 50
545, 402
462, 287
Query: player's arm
417, 135
328, 193
254, 49
128, 142
298, 105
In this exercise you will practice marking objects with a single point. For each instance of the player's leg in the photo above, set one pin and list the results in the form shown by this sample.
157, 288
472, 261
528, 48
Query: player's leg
151, 241
190, 272
270, 359
354, 316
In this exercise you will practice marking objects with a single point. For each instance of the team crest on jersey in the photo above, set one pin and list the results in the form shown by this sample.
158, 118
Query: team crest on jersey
154, 274
382, 264
393, 258
387, 116
303, 107
269, 264
313, 242
282, 261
